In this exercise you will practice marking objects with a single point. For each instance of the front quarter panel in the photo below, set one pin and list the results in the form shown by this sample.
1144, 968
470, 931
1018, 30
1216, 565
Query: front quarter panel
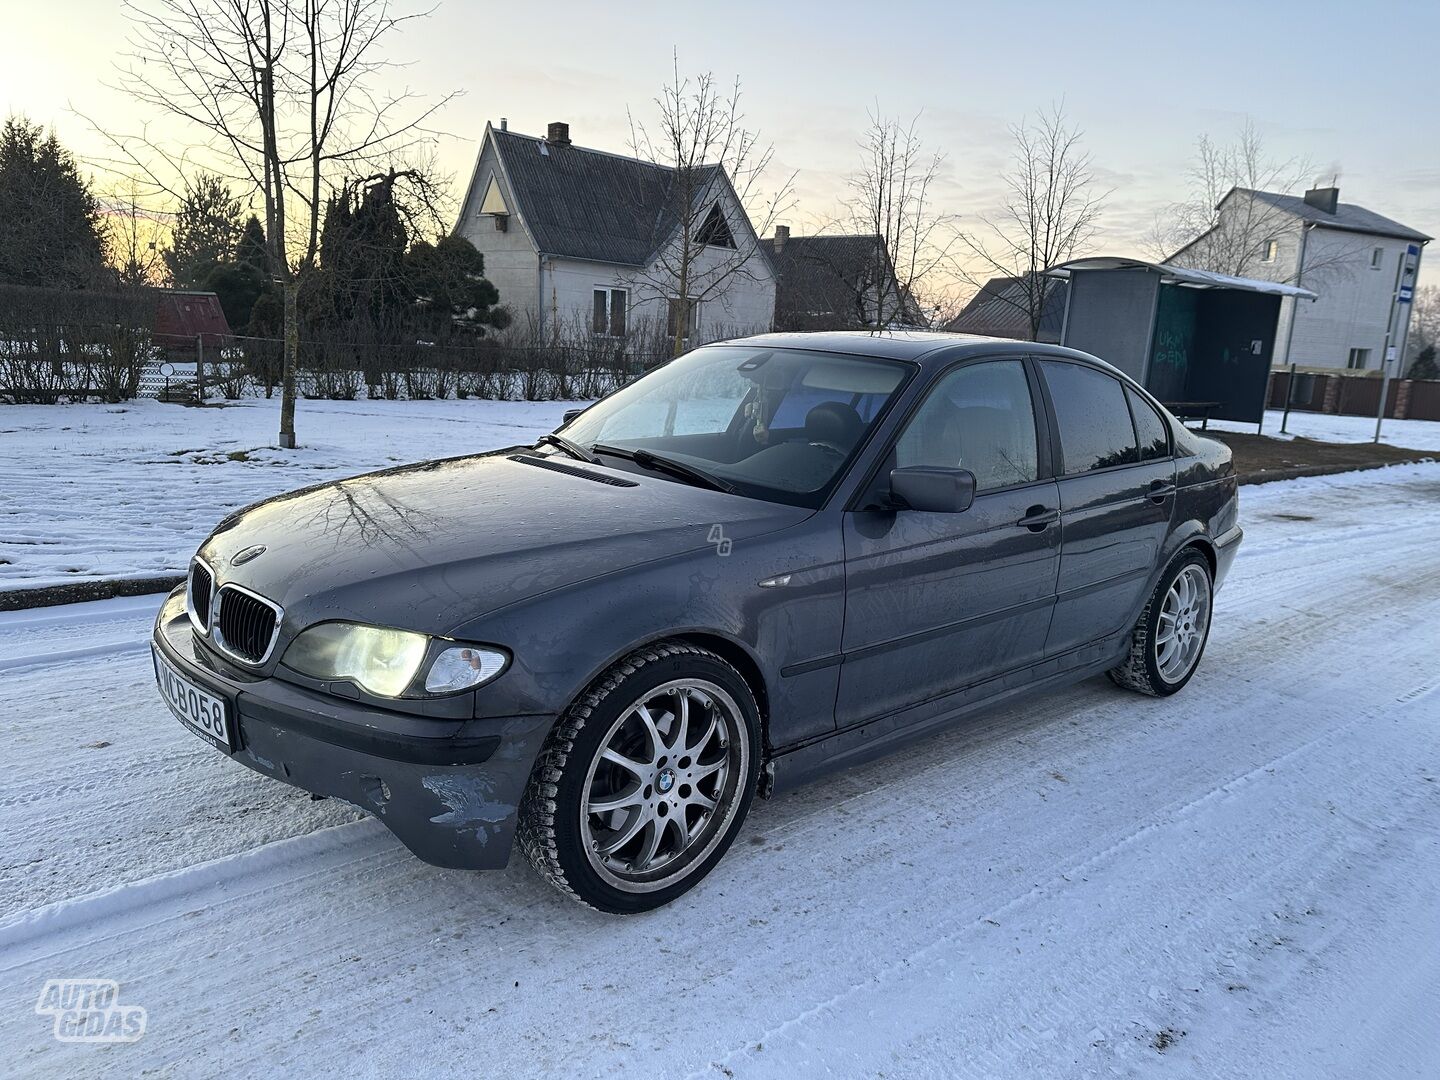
562, 640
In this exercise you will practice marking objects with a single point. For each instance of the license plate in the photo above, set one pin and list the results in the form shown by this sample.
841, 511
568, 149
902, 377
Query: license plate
197, 709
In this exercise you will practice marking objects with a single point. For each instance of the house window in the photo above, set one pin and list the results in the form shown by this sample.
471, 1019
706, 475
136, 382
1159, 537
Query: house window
1359, 359
1377, 256
678, 317
1272, 249
608, 314
715, 230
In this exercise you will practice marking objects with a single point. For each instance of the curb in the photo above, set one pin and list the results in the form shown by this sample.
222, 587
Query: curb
81, 591
1297, 471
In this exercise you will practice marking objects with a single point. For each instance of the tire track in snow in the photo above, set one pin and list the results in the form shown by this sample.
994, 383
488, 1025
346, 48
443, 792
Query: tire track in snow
1058, 882
25, 665
1127, 760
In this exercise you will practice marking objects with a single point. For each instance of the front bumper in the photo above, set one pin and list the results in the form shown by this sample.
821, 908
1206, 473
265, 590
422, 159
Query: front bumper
448, 789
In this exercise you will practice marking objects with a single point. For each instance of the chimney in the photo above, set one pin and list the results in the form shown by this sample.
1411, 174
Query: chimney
504, 124
1324, 198
782, 233
558, 134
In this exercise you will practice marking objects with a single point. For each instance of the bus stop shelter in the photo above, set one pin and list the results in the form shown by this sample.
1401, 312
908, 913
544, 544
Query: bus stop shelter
1201, 342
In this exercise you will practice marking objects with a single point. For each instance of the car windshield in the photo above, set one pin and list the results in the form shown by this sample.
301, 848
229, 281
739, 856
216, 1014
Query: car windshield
776, 424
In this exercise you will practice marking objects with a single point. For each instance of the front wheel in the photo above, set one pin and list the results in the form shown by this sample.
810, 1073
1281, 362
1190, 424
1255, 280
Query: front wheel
645, 780
1167, 642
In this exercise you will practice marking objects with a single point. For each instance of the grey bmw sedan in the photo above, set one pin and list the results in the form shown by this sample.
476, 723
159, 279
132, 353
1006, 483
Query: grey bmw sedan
768, 559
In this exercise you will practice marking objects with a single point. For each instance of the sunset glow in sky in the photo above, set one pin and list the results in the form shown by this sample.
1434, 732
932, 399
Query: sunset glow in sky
1332, 82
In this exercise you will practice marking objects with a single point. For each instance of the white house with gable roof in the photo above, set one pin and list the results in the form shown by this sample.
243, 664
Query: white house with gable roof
1353, 259
575, 239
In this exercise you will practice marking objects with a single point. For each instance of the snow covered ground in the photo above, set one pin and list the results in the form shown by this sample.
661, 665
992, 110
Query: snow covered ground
125, 491
129, 491
1243, 880
1411, 434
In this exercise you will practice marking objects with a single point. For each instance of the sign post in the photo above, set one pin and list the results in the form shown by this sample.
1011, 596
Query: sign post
1399, 327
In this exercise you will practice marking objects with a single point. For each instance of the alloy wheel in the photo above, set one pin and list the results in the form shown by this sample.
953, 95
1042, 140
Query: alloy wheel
661, 791
1184, 621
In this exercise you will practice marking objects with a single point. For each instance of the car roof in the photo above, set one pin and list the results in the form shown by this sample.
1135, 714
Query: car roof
928, 348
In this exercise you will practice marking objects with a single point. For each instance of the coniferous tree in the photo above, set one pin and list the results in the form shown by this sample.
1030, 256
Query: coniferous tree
207, 231
51, 232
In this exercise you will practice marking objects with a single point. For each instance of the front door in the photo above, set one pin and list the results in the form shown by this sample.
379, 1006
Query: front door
938, 602
1117, 493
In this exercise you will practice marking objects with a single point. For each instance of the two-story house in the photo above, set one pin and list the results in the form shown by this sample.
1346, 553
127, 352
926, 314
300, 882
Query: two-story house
582, 241
1354, 259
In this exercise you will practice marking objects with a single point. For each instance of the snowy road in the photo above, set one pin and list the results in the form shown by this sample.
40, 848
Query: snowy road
1240, 881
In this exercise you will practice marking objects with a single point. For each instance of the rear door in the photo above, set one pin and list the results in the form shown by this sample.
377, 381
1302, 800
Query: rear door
937, 602
1117, 494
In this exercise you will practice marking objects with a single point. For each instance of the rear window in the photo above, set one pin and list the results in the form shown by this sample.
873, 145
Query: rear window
1150, 429
1095, 427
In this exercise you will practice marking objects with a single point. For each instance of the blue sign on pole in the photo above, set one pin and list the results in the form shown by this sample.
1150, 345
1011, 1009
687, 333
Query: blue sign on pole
1407, 294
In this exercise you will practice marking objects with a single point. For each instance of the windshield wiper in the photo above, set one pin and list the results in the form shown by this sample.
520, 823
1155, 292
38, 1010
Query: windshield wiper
570, 447
647, 459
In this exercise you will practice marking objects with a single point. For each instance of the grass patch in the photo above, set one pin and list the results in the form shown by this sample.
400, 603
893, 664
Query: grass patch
1260, 458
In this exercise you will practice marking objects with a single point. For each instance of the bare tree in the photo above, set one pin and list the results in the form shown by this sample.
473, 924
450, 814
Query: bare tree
1050, 214
283, 96
1199, 234
133, 236
890, 198
700, 137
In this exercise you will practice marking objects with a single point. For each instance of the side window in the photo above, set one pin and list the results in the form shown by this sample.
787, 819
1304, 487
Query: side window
979, 418
1095, 427
1153, 433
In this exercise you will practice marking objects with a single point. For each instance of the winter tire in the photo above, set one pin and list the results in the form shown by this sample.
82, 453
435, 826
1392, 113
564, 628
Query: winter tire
644, 781
1169, 639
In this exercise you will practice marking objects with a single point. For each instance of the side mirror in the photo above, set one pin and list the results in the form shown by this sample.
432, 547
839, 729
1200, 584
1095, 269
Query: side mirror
934, 489
568, 415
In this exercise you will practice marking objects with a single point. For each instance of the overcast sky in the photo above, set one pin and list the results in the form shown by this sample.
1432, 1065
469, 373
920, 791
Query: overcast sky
1346, 85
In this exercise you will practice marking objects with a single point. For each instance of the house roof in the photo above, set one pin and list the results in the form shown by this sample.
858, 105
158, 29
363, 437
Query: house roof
181, 316
1347, 215
1181, 275
587, 204
831, 275
998, 309
822, 274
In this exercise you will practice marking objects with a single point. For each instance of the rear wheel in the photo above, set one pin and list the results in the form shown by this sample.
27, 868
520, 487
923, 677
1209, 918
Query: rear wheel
1167, 642
645, 780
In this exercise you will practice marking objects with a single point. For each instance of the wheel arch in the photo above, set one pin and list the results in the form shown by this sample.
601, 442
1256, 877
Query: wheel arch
740, 659
728, 649
1205, 547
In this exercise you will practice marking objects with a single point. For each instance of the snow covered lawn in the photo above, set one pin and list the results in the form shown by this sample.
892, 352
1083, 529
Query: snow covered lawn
1241, 881
91, 492
129, 491
1411, 434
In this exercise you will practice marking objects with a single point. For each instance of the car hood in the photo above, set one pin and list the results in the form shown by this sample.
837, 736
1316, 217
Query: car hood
433, 546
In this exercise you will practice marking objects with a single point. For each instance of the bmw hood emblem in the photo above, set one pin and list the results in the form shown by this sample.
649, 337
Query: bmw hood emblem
240, 558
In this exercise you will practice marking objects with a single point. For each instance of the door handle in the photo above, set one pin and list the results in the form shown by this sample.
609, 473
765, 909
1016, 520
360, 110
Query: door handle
1038, 518
1160, 490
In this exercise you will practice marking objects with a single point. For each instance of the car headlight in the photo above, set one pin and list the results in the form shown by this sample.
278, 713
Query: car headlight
387, 662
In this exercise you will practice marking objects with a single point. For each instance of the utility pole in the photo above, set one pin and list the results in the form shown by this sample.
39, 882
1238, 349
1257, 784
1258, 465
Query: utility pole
1289, 397
200, 368
1290, 327
1398, 329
